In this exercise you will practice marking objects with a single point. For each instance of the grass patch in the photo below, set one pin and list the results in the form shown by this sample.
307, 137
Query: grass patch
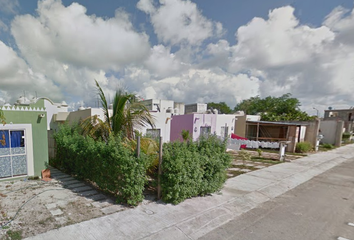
326, 147
265, 160
14, 235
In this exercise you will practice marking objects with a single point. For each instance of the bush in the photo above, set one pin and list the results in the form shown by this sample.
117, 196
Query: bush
303, 147
244, 155
112, 165
327, 146
346, 136
193, 168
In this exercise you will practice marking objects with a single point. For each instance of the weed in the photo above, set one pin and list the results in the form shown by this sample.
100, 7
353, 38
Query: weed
303, 147
33, 178
14, 235
244, 155
326, 146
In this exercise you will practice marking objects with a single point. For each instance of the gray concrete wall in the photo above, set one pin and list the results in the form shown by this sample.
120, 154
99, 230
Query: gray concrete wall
332, 131
312, 131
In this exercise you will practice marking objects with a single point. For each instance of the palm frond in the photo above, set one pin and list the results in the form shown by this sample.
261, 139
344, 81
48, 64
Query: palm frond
96, 128
128, 113
103, 101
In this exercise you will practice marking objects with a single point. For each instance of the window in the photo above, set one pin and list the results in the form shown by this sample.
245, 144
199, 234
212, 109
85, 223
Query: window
333, 114
205, 131
153, 133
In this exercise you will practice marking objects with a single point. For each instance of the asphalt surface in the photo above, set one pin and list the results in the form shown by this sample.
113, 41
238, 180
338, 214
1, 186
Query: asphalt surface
322, 208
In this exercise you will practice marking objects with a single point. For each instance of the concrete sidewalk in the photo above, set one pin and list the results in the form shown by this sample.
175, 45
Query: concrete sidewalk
195, 217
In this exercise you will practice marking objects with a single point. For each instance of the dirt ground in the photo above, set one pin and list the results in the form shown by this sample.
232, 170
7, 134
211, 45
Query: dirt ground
31, 207
266, 159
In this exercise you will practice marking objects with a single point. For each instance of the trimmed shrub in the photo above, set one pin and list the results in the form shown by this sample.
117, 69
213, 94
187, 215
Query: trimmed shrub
112, 165
192, 169
328, 146
346, 136
303, 147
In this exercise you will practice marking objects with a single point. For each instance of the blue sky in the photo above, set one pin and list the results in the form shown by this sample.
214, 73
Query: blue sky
183, 50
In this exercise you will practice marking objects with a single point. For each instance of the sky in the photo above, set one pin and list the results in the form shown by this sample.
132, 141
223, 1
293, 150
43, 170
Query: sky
183, 50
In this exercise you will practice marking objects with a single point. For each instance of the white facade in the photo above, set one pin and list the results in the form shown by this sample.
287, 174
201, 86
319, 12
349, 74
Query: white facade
162, 123
225, 122
196, 108
53, 109
158, 105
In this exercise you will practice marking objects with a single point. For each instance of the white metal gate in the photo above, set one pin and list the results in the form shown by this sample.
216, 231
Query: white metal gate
13, 155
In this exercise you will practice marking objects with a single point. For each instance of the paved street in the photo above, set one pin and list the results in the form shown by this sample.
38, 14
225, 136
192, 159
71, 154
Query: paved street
322, 208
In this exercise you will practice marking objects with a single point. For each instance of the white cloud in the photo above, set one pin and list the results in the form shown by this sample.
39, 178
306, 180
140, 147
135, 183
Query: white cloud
9, 6
16, 77
64, 50
314, 64
162, 63
70, 36
198, 85
341, 21
179, 21
278, 41
3, 26
146, 6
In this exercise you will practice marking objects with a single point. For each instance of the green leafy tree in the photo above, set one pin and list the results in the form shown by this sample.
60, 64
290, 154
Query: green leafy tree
185, 135
222, 107
128, 114
284, 108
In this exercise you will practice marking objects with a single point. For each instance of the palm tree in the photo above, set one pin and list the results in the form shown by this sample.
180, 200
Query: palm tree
128, 114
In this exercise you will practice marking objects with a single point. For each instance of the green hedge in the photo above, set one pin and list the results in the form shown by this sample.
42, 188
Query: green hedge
112, 166
193, 168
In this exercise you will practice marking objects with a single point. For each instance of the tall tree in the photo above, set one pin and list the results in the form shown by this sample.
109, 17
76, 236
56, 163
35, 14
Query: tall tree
222, 107
128, 114
284, 108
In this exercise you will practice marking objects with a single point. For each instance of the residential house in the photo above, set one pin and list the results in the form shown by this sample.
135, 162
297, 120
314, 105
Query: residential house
277, 131
345, 115
197, 124
162, 111
23, 140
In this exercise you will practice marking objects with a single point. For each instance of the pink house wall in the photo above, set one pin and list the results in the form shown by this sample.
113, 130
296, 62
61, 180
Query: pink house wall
192, 123
179, 123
